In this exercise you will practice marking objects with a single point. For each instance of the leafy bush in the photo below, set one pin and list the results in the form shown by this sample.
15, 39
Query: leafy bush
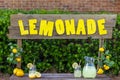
54, 55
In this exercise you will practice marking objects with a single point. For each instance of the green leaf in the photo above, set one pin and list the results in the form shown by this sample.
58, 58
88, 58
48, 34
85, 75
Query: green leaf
107, 52
111, 63
1, 59
11, 54
103, 57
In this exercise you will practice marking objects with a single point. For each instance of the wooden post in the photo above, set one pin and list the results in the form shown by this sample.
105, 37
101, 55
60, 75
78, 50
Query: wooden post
101, 43
19, 43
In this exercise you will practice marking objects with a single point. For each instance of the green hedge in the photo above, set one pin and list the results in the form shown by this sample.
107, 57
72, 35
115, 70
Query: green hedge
54, 55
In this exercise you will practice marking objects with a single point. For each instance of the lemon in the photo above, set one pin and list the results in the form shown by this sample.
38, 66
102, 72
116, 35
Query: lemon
100, 71
20, 73
75, 65
107, 57
29, 65
101, 49
14, 50
18, 59
106, 67
15, 71
37, 74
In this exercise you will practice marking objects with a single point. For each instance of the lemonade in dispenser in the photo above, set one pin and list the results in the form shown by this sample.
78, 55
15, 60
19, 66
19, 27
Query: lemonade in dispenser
89, 70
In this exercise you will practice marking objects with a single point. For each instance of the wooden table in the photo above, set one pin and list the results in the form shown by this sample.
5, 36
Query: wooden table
59, 76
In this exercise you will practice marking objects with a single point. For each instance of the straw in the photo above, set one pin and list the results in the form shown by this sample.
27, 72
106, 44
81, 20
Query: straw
79, 62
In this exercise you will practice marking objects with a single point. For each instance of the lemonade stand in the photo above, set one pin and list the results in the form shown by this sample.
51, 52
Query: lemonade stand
61, 26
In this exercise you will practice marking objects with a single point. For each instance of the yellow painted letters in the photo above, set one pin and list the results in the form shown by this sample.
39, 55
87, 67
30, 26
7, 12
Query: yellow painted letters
70, 26
21, 26
46, 28
101, 27
32, 26
63, 27
91, 26
81, 27
59, 26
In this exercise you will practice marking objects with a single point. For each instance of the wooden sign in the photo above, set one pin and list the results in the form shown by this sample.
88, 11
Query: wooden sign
61, 26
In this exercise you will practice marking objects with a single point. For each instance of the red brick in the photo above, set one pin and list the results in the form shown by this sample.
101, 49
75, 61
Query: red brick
71, 5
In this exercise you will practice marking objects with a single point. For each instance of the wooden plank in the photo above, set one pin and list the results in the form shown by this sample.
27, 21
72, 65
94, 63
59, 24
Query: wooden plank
59, 76
14, 32
19, 43
110, 18
101, 44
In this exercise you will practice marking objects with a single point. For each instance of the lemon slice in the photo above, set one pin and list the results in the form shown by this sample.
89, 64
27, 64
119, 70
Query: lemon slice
38, 74
29, 65
75, 65
32, 75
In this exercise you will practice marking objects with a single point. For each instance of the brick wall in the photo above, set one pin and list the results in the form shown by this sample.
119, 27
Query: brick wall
71, 5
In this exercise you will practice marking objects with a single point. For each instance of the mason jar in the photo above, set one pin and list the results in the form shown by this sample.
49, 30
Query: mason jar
77, 72
32, 71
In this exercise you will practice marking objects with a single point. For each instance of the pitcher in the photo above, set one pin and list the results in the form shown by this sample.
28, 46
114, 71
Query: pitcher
89, 70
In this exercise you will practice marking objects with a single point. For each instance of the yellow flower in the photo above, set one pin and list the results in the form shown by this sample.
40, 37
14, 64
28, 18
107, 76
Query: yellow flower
106, 67
101, 49
14, 50
100, 71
